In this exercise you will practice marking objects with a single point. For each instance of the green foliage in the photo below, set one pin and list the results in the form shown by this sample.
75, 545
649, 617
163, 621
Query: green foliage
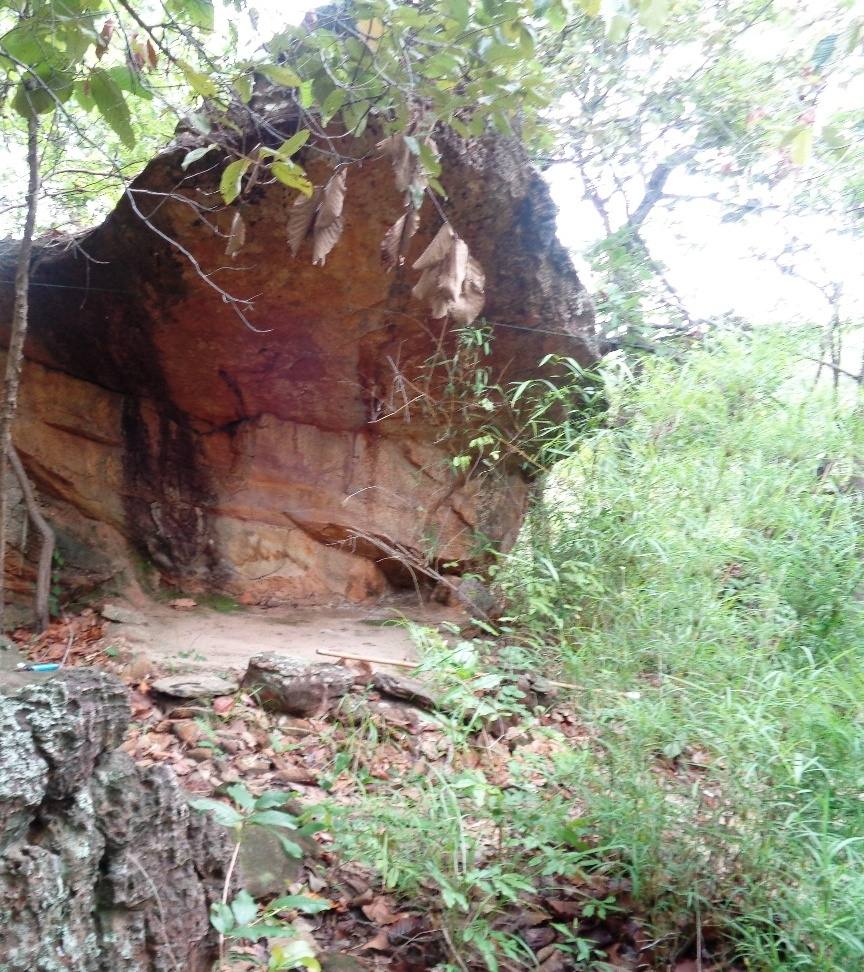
695, 571
696, 566
242, 919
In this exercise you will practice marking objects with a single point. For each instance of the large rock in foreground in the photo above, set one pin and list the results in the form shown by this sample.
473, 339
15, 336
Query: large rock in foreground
102, 864
312, 456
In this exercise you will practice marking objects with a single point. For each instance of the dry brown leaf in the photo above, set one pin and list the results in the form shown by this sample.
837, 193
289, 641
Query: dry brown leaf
403, 160
329, 222
397, 238
380, 943
223, 704
468, 305
300, 219
183, 603
379, 911
452, 281
437, 249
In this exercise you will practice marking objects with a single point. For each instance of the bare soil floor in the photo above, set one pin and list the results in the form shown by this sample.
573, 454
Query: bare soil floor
202, 637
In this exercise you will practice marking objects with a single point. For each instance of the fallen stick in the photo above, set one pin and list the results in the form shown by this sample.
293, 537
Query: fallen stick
375, 660
372, 659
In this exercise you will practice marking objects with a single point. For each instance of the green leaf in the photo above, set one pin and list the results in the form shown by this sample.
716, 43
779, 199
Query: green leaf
241, 796
83, 96
293, 145
618, 27
129, 80
112, 105
243, 87
244, 908
194, 155
299, 902
198, 13
292, 176
221, 917
254, 932
292, 848
272, 798
280, 74
221, 812
305, 94
653, 14
429, 159
295, 954
333, 103
556, 16
199, 82
801, 146
232, 182
40, 91
460, 11
274, 818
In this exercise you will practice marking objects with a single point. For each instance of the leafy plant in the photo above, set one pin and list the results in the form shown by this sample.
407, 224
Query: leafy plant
241, 918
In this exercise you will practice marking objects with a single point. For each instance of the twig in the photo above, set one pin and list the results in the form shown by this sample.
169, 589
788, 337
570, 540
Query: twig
68, 649
372, 659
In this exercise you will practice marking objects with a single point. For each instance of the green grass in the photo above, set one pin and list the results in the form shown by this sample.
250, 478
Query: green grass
695, 574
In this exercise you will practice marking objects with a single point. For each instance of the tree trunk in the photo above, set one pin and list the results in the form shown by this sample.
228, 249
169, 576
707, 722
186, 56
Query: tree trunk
18, 332
46, 554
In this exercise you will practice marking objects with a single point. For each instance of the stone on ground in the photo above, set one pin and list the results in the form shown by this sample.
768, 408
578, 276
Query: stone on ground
404, 688
195, 685
294, 686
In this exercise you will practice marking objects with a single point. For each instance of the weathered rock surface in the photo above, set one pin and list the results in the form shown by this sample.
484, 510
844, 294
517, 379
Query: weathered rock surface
122, 615
102, 864
294, 686
195, 685
304, 459
404, 688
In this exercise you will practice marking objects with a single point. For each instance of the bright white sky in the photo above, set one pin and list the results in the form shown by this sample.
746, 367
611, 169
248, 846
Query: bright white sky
714, 265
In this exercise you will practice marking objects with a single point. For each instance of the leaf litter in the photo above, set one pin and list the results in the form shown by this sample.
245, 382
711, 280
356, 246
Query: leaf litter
213, 744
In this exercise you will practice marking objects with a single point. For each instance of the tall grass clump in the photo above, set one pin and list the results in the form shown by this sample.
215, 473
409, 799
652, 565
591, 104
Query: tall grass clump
697, 568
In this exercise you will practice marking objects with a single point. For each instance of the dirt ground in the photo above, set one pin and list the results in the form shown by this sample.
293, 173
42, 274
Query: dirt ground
201, 637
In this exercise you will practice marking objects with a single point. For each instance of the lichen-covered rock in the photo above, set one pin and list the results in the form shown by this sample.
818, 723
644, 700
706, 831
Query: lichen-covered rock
313, 457
195, 685
295, 686
74, 718
102, 866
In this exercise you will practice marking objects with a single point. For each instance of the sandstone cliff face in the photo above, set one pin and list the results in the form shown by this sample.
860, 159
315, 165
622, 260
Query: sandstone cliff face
103, 867
288, 463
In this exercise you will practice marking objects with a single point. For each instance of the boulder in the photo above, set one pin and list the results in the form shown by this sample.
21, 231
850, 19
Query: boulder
312, 456
102, 864
266, 870
293, 685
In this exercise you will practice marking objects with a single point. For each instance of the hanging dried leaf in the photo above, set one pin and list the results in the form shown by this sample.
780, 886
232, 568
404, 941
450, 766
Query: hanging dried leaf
300, 219
237, 236
469, 304
452, 281
329, 222
403, 159
396, 239
437, 249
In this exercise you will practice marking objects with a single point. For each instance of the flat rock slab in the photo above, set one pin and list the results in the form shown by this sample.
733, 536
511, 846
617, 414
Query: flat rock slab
405, 689
122, 615
294, 686
195, 685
